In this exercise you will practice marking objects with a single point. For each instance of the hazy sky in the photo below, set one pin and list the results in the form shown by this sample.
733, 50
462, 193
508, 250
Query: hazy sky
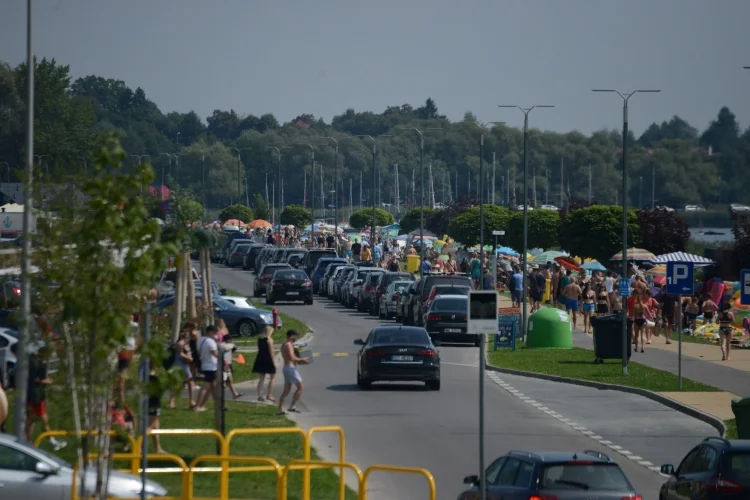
321, 57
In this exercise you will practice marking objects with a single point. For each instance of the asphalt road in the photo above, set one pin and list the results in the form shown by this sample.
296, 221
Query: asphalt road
408, 426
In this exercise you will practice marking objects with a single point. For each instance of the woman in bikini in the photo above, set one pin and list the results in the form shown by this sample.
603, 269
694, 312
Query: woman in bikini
726, 319
639, 323
602, 303
589, 297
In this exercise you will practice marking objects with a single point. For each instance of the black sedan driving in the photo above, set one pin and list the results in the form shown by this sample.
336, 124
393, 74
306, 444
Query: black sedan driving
290, 285
396, 354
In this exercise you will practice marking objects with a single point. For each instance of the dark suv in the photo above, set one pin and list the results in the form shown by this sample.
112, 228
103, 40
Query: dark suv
367, 301
313, 256
715, 469
554, 475
381, 285
422, 293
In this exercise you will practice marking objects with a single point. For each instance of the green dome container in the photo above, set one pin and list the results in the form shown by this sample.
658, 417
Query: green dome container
549, 328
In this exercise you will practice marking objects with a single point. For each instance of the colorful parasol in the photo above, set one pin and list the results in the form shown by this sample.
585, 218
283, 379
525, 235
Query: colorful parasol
258, 223
548, 256
593, 265
660, 270
568, 263
634, 254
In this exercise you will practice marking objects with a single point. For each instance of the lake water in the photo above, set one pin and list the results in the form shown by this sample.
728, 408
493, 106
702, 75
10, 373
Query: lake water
712, 238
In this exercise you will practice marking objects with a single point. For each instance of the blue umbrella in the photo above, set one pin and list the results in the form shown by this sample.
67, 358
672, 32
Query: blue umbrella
508, 251
594, 265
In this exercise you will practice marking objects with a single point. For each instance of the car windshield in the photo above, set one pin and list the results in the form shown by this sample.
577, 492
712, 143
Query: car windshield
583, 476
315, 256
52, 458
224, 304
736, 466
274, 268
400, 337
400, 286
290, 275
450, 305
451, 290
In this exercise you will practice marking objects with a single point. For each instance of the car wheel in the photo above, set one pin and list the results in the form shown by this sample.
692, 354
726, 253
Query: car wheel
405, 318
477, 341
380, 312
309, 301
433, 385
269, 301
247, 328
363, 383
255, 293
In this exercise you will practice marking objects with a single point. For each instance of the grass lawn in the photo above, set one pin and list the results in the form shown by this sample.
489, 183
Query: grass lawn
245, 485
578, 363
243, 373
731, 429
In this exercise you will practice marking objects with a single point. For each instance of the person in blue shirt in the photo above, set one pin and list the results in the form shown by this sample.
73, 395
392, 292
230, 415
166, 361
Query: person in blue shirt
476, 270
517, 292
426, 266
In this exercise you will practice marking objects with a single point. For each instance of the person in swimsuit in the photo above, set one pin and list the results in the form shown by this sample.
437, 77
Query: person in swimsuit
589, 297
602, 303
572, 293
639, 322
726, 319
291, 375
709, 310
667, 312
691, 313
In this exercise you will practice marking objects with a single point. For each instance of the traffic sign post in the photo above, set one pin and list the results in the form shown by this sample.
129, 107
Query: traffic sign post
494, 276
680, 281
745, 287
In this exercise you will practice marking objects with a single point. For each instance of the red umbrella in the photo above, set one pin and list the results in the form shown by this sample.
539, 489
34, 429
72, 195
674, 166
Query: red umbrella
568, 263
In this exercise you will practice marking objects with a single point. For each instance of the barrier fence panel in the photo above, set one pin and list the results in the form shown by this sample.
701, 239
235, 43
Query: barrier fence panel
264, 431
306, 465
271, 465
342, 454
50, 434
179, 432
400, 470
156, 457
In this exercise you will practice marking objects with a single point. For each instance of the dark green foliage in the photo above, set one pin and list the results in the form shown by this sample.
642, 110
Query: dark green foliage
543, 229
240, 212
362, 219
596, 232
465, 227
296, 215
663, 231
410, 221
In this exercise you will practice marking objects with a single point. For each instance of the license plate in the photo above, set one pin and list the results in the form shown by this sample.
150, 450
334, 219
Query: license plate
292, 283
292, 293
402, 358
452, 330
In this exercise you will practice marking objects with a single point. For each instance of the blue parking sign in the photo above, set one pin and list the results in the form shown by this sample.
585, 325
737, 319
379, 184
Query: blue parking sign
624, 287
680, 278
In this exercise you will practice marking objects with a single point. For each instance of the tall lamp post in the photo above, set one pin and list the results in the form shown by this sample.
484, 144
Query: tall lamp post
481, 202
312, 199
239, 170
278, 154
625, 99
524, 271
335, 185
421, 193
374, 183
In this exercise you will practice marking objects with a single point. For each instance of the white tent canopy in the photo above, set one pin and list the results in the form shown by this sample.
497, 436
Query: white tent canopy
12, 207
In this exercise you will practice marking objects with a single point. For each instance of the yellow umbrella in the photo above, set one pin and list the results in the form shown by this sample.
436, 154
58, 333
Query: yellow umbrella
660, 270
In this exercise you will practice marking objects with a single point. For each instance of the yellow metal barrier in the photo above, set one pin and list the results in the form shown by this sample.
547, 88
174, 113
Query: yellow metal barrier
306, 465
50, 434
272, 465
403, 470
263, 431
342, 455
156, 457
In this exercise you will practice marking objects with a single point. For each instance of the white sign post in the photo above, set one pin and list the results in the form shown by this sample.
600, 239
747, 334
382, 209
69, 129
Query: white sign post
494, 275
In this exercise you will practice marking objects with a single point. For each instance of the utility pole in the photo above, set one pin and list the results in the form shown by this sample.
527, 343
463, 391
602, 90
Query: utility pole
590, 183
360, 190
533, 184
562, 183
546, 186
239, 174
493, 178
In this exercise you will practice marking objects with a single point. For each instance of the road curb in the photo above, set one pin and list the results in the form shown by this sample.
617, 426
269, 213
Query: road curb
714, 422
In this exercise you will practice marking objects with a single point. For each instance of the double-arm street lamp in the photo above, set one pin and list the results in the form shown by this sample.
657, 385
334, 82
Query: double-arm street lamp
524, 271
421, 193
335, 184
625, 99
239, 172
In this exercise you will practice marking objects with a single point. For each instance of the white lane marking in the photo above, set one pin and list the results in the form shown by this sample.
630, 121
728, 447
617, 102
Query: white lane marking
583, 430
458, 364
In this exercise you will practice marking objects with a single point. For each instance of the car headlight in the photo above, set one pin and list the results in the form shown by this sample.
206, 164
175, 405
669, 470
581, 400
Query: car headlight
267, 318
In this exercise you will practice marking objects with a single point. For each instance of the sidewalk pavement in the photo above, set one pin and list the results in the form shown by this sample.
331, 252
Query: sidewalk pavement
700, 362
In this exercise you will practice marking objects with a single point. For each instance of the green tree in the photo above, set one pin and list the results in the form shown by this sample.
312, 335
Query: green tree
543, 228
596, 232
362, 219
465, 228
262, 210
240, 212
296, 215
410, 221
186, 209
117, 256
663, 231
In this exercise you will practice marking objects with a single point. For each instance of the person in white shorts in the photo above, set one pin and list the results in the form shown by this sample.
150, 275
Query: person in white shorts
291, 374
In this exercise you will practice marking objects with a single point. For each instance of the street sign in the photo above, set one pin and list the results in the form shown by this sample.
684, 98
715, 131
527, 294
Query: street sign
745, 290
482, 313
680, 279
498, 233
624, 287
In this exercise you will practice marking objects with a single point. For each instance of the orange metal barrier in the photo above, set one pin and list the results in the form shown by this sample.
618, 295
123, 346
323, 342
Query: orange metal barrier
306, 465
272, 465
403, 470
156, 457
342, 455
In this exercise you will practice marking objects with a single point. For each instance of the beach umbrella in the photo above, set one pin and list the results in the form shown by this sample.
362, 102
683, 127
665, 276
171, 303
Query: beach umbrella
568, 263
680, 257
549, 256
233, 222
508, 251
536, 251
634, 254
660, 270
259, 223
593, 265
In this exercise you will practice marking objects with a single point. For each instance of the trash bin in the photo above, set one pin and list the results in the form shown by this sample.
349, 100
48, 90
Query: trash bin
608, 337
412, 263
741, 410
549, 328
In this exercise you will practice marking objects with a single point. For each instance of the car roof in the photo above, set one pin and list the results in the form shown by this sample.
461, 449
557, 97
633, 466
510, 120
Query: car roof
399, 328
732, 444
451, 296
562, 456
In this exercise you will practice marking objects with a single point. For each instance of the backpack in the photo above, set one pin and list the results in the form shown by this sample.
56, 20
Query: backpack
168, 361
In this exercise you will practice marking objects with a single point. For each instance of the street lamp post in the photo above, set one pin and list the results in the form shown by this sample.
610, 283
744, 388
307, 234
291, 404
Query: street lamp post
278, 152
374, 171
169, 157
239, 175
524, 271
312, 199
481, 203
335, 186
625, 99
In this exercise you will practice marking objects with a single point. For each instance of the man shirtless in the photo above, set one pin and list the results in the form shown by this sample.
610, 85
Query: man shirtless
291, 375
572, 293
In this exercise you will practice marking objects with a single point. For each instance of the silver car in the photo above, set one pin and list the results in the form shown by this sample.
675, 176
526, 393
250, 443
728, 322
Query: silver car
332, 281
388, 301
29, 472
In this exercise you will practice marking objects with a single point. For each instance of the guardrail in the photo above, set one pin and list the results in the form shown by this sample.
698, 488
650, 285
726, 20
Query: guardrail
249, 463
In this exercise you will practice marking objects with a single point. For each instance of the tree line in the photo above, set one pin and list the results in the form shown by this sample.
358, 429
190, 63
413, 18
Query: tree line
231, 156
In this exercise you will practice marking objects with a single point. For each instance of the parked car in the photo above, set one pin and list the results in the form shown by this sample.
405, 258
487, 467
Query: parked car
263, 257
447, 321
236, 254
295, 256
320, 269
396, 353
366, 301
382, 281
715, 469
313, 256
444, 290
389, 300
330, 270
332, 280
553, 475
30, 472
354, 286
423, 291
251, 252
406, 303
241, 321
289, 285
338, 284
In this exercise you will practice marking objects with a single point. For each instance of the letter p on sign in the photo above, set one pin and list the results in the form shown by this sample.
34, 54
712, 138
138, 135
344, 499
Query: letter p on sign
680, 278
